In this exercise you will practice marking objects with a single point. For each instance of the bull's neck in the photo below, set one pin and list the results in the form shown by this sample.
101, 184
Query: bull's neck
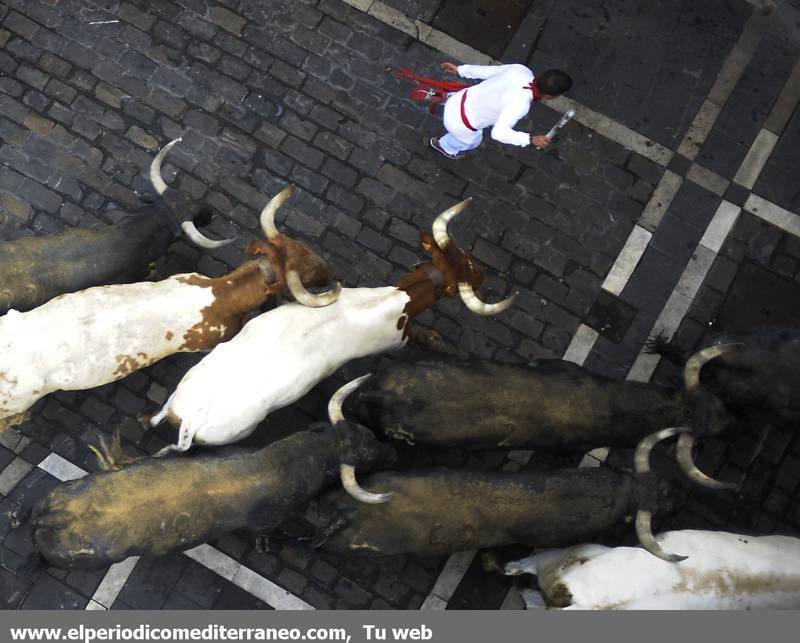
424, 286
244, 289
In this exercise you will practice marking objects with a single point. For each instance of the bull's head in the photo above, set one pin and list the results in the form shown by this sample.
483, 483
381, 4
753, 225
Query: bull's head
347, 468
161, 187
285, 262
450, 270
709, 416
291, 261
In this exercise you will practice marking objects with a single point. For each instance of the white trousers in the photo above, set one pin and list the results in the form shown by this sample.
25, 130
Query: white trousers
459, 137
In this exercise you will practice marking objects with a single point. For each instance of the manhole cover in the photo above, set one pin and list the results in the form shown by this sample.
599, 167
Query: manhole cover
759, 298
485, 25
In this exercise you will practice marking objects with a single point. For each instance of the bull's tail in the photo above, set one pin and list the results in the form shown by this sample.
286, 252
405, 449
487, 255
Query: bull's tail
112, 458
660, 345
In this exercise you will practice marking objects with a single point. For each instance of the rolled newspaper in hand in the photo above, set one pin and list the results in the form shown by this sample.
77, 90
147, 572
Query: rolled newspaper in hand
564, 120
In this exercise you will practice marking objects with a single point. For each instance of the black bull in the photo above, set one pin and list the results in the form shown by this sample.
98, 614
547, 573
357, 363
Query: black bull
548, 405
441, 511
155, 506
758, 376
34, 270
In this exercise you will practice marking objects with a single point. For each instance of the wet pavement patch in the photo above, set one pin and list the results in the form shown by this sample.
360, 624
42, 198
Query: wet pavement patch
486, 25
759, 298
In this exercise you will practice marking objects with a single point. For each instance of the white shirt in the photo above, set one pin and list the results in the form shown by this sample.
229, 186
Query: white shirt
502, 99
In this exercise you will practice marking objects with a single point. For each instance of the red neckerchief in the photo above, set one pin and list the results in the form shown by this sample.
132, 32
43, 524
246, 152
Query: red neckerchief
534, 87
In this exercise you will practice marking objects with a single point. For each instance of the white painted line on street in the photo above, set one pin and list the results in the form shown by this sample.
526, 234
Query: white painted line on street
580, 346
660, 200
112, 583
617, 132
756, 158
774, 214
433, 603
699, 129
13, 474
786, 103
267, 591
720, 226
708, 179
627, 260
454, 570
60, 468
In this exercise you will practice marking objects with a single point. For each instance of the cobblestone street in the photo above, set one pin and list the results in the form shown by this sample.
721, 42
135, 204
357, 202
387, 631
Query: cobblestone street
662, 208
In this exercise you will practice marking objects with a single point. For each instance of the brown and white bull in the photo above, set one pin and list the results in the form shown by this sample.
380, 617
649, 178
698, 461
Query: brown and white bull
282, 354
36, 269
99, 335
442, 511
158, 505
722, 571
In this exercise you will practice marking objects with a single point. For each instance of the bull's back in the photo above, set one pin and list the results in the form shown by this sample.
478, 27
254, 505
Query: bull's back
551, 404
722, 571
93, 337
278, 357
442, 511
34, 270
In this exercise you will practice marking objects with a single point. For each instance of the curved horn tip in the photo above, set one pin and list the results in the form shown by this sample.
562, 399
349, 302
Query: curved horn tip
202, 241
641, 457
691, 371
348, 475
644, 532
474, 303
307, 298
335, 413
156, 179
683, 455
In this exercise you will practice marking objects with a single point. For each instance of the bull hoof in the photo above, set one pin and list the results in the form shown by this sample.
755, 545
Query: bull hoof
14, 420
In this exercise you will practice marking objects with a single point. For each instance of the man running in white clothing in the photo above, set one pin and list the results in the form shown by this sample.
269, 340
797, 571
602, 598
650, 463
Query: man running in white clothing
502, 99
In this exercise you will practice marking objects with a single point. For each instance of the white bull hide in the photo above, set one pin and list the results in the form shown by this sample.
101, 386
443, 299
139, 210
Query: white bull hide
96, 336
276, 359
723, 571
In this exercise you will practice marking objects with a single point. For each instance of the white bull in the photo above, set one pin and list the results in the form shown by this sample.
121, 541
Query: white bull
723, 571
99, 335
282, 354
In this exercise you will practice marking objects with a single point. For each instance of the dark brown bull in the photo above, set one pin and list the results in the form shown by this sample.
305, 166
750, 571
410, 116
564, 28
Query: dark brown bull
442, 511
549, 405
155, 506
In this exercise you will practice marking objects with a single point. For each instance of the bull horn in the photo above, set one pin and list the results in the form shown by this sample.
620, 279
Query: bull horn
641, 460
155, 167
473, 302
644, 531
691, 372
275, 204
335, 413
307, 298
347, 472
440, 224
200, 240
684, 457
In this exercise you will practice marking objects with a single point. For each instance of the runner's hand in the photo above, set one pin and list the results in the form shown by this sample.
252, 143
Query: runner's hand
450, 68
540, 142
